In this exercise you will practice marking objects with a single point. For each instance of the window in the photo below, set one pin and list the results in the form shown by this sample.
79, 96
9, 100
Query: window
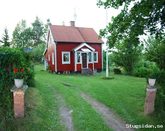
78, 57
90, 57
50, 39
65, 57
48, 57
95, 56
52, 58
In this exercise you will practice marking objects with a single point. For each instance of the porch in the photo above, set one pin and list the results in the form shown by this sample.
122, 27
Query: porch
85, 58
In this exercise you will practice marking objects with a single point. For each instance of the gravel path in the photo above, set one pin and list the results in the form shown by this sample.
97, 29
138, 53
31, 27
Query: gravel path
111, 119
65, 113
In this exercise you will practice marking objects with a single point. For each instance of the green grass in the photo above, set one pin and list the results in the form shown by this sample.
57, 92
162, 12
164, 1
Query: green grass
124, 95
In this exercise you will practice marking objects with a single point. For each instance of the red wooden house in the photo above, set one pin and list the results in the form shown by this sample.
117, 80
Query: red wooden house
73, 49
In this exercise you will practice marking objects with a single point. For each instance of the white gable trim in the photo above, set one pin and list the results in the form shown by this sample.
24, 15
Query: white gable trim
84, 44
50, 36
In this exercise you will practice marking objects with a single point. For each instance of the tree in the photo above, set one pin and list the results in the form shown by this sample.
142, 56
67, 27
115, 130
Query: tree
136, 18
127, 55
5, 39
39, 31
37, 53
22, 36
155, 51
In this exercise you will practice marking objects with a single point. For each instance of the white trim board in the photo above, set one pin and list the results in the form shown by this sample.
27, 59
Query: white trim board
84, 44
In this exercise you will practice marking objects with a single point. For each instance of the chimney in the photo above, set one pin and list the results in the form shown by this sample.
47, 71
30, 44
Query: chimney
48, 22
72, 23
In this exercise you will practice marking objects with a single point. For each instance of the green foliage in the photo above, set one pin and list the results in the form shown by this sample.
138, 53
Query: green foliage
29, 70
127, 55
9, 59
22, 36
117, 71
37, 53
5, 38
30, 76
19, 73
155, 51
104, 61
160, 98
135, 18
146, 69
39, 30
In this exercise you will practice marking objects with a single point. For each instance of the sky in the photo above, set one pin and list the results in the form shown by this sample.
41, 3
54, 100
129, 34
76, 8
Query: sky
58, 11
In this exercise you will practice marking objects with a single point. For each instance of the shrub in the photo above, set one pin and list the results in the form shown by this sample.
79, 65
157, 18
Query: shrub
29, 69
30, 76
9, 59
146, 69
37, 53
117, 71
160, 97
160, 101
150, 69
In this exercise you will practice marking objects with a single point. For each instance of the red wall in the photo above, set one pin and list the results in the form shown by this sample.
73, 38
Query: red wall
65, 47
50, 50
69, 47
98, 48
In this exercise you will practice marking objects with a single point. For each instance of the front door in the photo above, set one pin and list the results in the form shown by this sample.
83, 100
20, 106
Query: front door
84, 60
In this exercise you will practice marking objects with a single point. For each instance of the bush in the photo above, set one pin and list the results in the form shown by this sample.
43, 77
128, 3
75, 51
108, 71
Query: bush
160, 101
150, 69
146, 69
160, 98
117, 71
30, 76
37, 53
29, 69
10, 58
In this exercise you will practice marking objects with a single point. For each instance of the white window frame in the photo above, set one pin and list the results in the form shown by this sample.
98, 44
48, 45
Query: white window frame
52, 58
65, 62
77, 57
96, 57
91, 57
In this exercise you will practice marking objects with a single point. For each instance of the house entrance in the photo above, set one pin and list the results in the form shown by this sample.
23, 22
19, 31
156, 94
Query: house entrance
84, 60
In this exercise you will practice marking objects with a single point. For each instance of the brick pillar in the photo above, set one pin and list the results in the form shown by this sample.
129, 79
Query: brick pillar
18, 98
149, 100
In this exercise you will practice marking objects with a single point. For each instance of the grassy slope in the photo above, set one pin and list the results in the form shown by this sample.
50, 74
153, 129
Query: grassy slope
124, 94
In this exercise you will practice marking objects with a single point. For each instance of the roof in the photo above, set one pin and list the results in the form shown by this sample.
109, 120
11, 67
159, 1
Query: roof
74, 34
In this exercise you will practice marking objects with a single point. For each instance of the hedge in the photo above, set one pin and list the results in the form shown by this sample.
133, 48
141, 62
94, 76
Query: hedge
8, 59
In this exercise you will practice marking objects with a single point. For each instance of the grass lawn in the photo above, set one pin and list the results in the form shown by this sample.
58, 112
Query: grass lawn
124, 95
